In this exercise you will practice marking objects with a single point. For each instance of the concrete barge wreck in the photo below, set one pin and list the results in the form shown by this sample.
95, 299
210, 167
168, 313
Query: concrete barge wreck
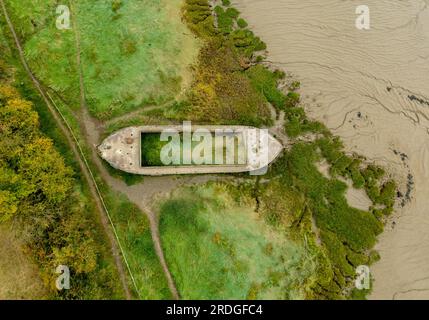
190, 149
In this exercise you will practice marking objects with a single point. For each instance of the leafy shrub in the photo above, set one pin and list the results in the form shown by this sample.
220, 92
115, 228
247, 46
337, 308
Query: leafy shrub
242, 23
265, 81
116, 5
293, 99
38, 191
297, 123
224, 21
246, 42
232, 13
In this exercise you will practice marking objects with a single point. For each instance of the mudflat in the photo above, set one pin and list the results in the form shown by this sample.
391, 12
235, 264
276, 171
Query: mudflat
371, 88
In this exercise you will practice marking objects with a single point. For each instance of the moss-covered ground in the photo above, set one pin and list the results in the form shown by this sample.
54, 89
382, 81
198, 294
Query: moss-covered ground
218, 247
134, 53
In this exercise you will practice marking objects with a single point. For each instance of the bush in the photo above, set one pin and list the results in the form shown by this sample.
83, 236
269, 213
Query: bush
293, 99
116, 5
39, 192
242, 23
297, 123
387, 194
246, 42
224, 21
265, 81
232, 13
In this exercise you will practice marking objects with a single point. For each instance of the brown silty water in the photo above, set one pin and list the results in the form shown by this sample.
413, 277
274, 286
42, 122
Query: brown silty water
371, 87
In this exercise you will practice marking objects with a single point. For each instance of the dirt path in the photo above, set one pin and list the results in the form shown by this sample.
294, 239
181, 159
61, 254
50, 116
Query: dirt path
72, 141
143, 194
136, 193
132, 114
92, 134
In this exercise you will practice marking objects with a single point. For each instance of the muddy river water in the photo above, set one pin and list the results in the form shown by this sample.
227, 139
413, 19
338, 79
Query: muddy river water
371, 87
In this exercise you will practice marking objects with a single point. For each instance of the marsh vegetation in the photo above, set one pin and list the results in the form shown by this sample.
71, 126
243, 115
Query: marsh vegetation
290, 234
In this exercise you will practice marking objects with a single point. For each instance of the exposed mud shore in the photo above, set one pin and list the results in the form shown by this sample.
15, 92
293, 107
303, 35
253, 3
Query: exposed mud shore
372, 89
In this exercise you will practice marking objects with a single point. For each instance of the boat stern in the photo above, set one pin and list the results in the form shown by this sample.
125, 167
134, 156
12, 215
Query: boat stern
122, 150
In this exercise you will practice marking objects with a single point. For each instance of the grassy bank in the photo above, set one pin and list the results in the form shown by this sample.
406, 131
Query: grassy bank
290, 234
131, 224
134, 54
296, 196
53, 229
218, 248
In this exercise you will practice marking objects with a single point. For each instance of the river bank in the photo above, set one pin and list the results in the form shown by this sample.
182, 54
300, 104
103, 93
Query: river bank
370, 88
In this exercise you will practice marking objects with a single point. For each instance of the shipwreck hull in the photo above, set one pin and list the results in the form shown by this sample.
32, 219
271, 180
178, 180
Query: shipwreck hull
122, 150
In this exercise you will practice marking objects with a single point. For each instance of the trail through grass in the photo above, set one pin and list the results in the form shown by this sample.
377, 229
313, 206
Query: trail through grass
134, 53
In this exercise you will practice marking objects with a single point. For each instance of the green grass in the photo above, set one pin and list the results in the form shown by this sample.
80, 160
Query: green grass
219, 249
141, 54
134, 53
134, 233
266, 81
297, 123
347, 234
131, 223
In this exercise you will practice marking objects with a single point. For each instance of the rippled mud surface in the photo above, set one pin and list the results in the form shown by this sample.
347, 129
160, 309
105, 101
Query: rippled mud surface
372, 89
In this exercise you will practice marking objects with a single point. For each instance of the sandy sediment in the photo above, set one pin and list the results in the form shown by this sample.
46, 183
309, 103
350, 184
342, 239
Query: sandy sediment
372, 89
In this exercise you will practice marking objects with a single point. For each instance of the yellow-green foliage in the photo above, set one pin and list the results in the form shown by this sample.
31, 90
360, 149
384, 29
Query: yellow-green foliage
242, 23
347, 234
367, 177
38, 193
265, 81
199, 16
297, 123
27, 158
222, 91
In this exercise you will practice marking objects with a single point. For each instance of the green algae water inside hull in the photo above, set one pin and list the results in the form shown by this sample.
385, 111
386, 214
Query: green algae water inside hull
208, 150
